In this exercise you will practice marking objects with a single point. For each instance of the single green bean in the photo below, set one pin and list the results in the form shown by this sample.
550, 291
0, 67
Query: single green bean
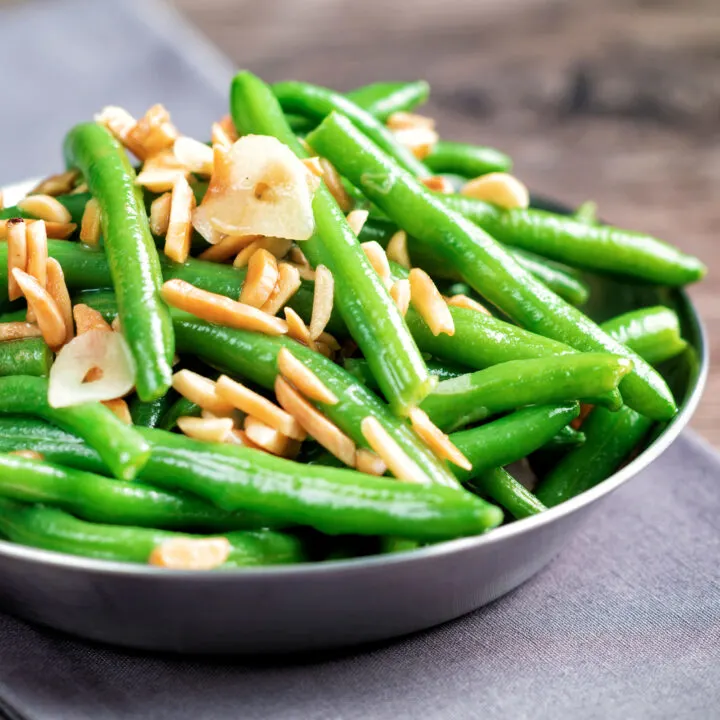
466, 160
382, 99
505, 490
26, 356
483, 263
182, 407
131, 254
124, 451
149, 414
565, 438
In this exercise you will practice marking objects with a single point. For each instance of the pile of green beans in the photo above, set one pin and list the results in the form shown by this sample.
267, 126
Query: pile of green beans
503, 386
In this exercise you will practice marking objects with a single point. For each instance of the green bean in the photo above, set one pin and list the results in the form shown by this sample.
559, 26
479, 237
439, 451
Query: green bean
52, 529
131, 254
182, 407
504, 489
26, 356
359, 368
483, 263
124, 451
466, 160
565, 438
382, 99
469, 398
149, 414
580, 244
373, 319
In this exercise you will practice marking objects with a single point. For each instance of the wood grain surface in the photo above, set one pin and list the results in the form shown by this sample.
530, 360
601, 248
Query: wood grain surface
612, 100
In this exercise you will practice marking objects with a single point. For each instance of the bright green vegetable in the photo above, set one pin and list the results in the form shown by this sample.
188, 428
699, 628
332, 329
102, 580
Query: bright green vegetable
27, 356
149, 414
382, 99
464, 159
131, 254
182, 407
505, 490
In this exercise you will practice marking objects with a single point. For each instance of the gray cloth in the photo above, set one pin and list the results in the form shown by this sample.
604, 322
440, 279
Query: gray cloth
626, 623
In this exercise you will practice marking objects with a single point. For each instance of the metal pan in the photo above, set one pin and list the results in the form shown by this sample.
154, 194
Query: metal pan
307, 607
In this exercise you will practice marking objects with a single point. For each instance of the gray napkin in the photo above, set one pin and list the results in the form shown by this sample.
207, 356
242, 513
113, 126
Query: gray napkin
626, 623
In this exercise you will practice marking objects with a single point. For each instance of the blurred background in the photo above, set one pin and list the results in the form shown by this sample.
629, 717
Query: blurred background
617, 101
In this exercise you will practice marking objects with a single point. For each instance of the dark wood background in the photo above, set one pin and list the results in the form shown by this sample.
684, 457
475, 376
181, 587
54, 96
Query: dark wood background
612, 100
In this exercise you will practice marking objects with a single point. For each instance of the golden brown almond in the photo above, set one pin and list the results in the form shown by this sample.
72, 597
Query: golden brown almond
191, 553
219, 309
297, 329
356, 220
267, 438
262, 275
18, 330
402, 120
419, 140
177, 239
400, 293
202, 391
429, 303
47, 313
276, 246
56, 231
397, 461
87, 318
322, 301
378, 259
58, 290
90, 225
159, 172
153, 132
288, 283
500, 189
438, 183
315, 423
304, 379
120, 122
45, 207
60, 184
219, 137
463, 301
205, 429
159, 214
369, 463
37, 252
397, 250
228, 126
314, 166
228, 247
332, 180
119, 408
16, 254
194, 156
436, 439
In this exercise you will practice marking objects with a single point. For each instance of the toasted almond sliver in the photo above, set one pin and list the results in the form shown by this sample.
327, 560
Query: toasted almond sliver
436, 439
378, 259
297, 256
501, 189
177, 239
194, 155
288, 283
60, 184
329, 340
277, 246
116, 325
332, 180
58, 290
463, 301
202, 391
29, 454
87, 318
419, 140
370, 463
49, 317
356, 220
400, 293
304, 379
227, 124
56, 231
438, 183
120, 409
262, 275
153, 132
219, 136
251, 403
429, 303
397, 250
80, 189
238, 437
191, 553
17, 330
228, 247
399, 464
322, 301
219, 309
208, 430
37, 252
315, 423
297, 329
305, 272
268, 438
45, 207
314, 166
90, 223
120, 122
159, 180
402, 120
16, 253
159, 214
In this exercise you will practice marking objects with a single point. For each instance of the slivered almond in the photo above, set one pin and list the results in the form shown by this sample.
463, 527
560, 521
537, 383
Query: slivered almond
60, 184
356, 220
368, 462
436, 439
177, 239
419, 140
288, 283
159, 214
153, 133
79, 189
297, 329
219, 309
314, 166
238, 437
17, 330
329, 340
315, 423
212, 415
116, 325
429, 303
160, 172
227, 124
49, 317
438, 183
56, 231
57, 288
37, 252
397, 461
305, 272
463, 301
29, 454
90, 223
45, 207
323, 349
208, 430
191, 553
333, 181
500, 189
228, 247
400, 293
402, 120
322, 301
87, 318
297, 256
120, 122
277, 246
202, 391
120, 409
397, 250
219, 136
262, 275
268, 438
378, 259
251, 403
16, 254
304, 379
194, 155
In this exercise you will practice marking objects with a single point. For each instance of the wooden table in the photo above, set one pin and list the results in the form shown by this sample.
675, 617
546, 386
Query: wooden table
612, 100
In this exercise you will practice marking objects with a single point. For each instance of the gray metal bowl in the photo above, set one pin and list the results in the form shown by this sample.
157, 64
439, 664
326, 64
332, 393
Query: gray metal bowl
332, 604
